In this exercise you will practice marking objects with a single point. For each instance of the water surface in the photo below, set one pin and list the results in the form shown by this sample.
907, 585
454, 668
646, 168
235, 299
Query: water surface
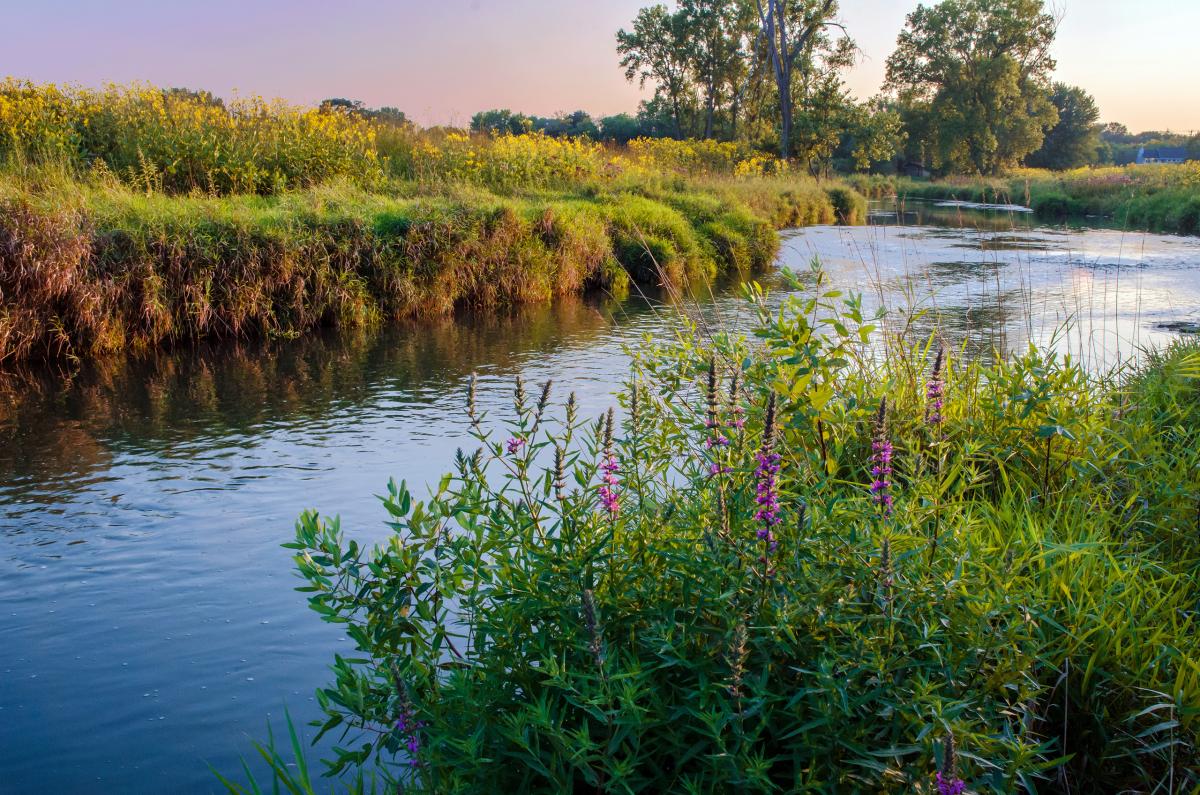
149, 622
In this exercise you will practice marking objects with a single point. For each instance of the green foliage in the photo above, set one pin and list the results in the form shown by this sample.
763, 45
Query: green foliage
592, 606
1075, 140
621, 129
656, 50
500, 122
1149, 197
972, 75
181, 141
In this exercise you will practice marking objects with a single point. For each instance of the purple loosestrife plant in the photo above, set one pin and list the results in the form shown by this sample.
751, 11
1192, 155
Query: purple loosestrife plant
767, 491
409, 731
935, 390
881, 462
514, 444
609, 467
948, 782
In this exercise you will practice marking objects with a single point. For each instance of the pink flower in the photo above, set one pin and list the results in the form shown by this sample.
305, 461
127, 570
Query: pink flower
881, 460
608, 491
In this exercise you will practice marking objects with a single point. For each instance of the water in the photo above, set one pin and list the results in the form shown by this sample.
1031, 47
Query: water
150, 627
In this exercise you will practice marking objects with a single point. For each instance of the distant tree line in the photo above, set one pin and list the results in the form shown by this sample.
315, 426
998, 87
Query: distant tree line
968, 90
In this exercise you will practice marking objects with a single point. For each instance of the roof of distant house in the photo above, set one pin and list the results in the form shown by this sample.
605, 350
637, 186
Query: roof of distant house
1166, 153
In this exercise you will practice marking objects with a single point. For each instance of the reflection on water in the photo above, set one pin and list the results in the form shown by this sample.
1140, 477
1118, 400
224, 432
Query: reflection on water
149, 619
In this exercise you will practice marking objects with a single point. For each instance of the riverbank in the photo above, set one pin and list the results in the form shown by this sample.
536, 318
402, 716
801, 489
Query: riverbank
136, 217
90, 268
1159, 198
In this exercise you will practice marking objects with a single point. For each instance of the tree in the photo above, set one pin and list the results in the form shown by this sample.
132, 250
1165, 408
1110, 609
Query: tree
789, 29
342, 104
203, 97
874, 133
656, 50
1075, 140
569, 125
823, 108
501, 122
974, 76
621, 128
385, 115
713, 49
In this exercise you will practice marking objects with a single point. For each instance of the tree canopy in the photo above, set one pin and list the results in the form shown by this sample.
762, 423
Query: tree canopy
1075, 140
973, 76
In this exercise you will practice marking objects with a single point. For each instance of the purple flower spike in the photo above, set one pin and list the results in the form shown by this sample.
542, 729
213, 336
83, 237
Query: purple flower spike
881, 462
717, 440
767, 491
409, 731
948, 782
934, 391
514, 444
950, 786
608, 491
768, 497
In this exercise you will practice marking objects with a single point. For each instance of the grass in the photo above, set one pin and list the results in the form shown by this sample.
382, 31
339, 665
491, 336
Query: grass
132, 218
1164, 198
91, 268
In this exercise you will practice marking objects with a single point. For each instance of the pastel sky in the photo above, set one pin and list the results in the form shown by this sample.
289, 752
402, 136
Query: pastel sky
442, 60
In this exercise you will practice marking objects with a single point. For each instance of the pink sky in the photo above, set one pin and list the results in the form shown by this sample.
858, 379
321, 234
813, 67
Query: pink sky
442, 61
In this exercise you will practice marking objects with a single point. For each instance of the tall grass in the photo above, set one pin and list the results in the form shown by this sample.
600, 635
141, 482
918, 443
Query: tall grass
133, 216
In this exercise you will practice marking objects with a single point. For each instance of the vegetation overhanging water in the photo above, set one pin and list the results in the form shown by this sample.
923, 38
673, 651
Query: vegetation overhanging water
179, 607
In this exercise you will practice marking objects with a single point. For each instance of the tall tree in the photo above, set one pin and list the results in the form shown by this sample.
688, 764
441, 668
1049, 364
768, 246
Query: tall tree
657, 50
789, 30
977, 71
712, 36
1075, 140
822, 106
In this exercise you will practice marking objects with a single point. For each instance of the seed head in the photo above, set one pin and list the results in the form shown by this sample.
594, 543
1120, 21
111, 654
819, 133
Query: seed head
712, 422
519, 397
543, 401
472, 413
560, 477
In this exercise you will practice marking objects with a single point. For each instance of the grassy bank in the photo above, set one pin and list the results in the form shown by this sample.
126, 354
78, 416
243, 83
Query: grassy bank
133, 217
809, 564
1163, 198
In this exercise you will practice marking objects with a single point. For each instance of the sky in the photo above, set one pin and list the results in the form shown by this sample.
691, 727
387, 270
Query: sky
442, 60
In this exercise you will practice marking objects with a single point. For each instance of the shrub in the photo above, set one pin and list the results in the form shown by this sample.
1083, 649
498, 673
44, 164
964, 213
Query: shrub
792, 566
848, 205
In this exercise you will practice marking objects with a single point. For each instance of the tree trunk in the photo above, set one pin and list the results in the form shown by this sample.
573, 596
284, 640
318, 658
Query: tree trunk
773, 19
785, 111
709, 108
